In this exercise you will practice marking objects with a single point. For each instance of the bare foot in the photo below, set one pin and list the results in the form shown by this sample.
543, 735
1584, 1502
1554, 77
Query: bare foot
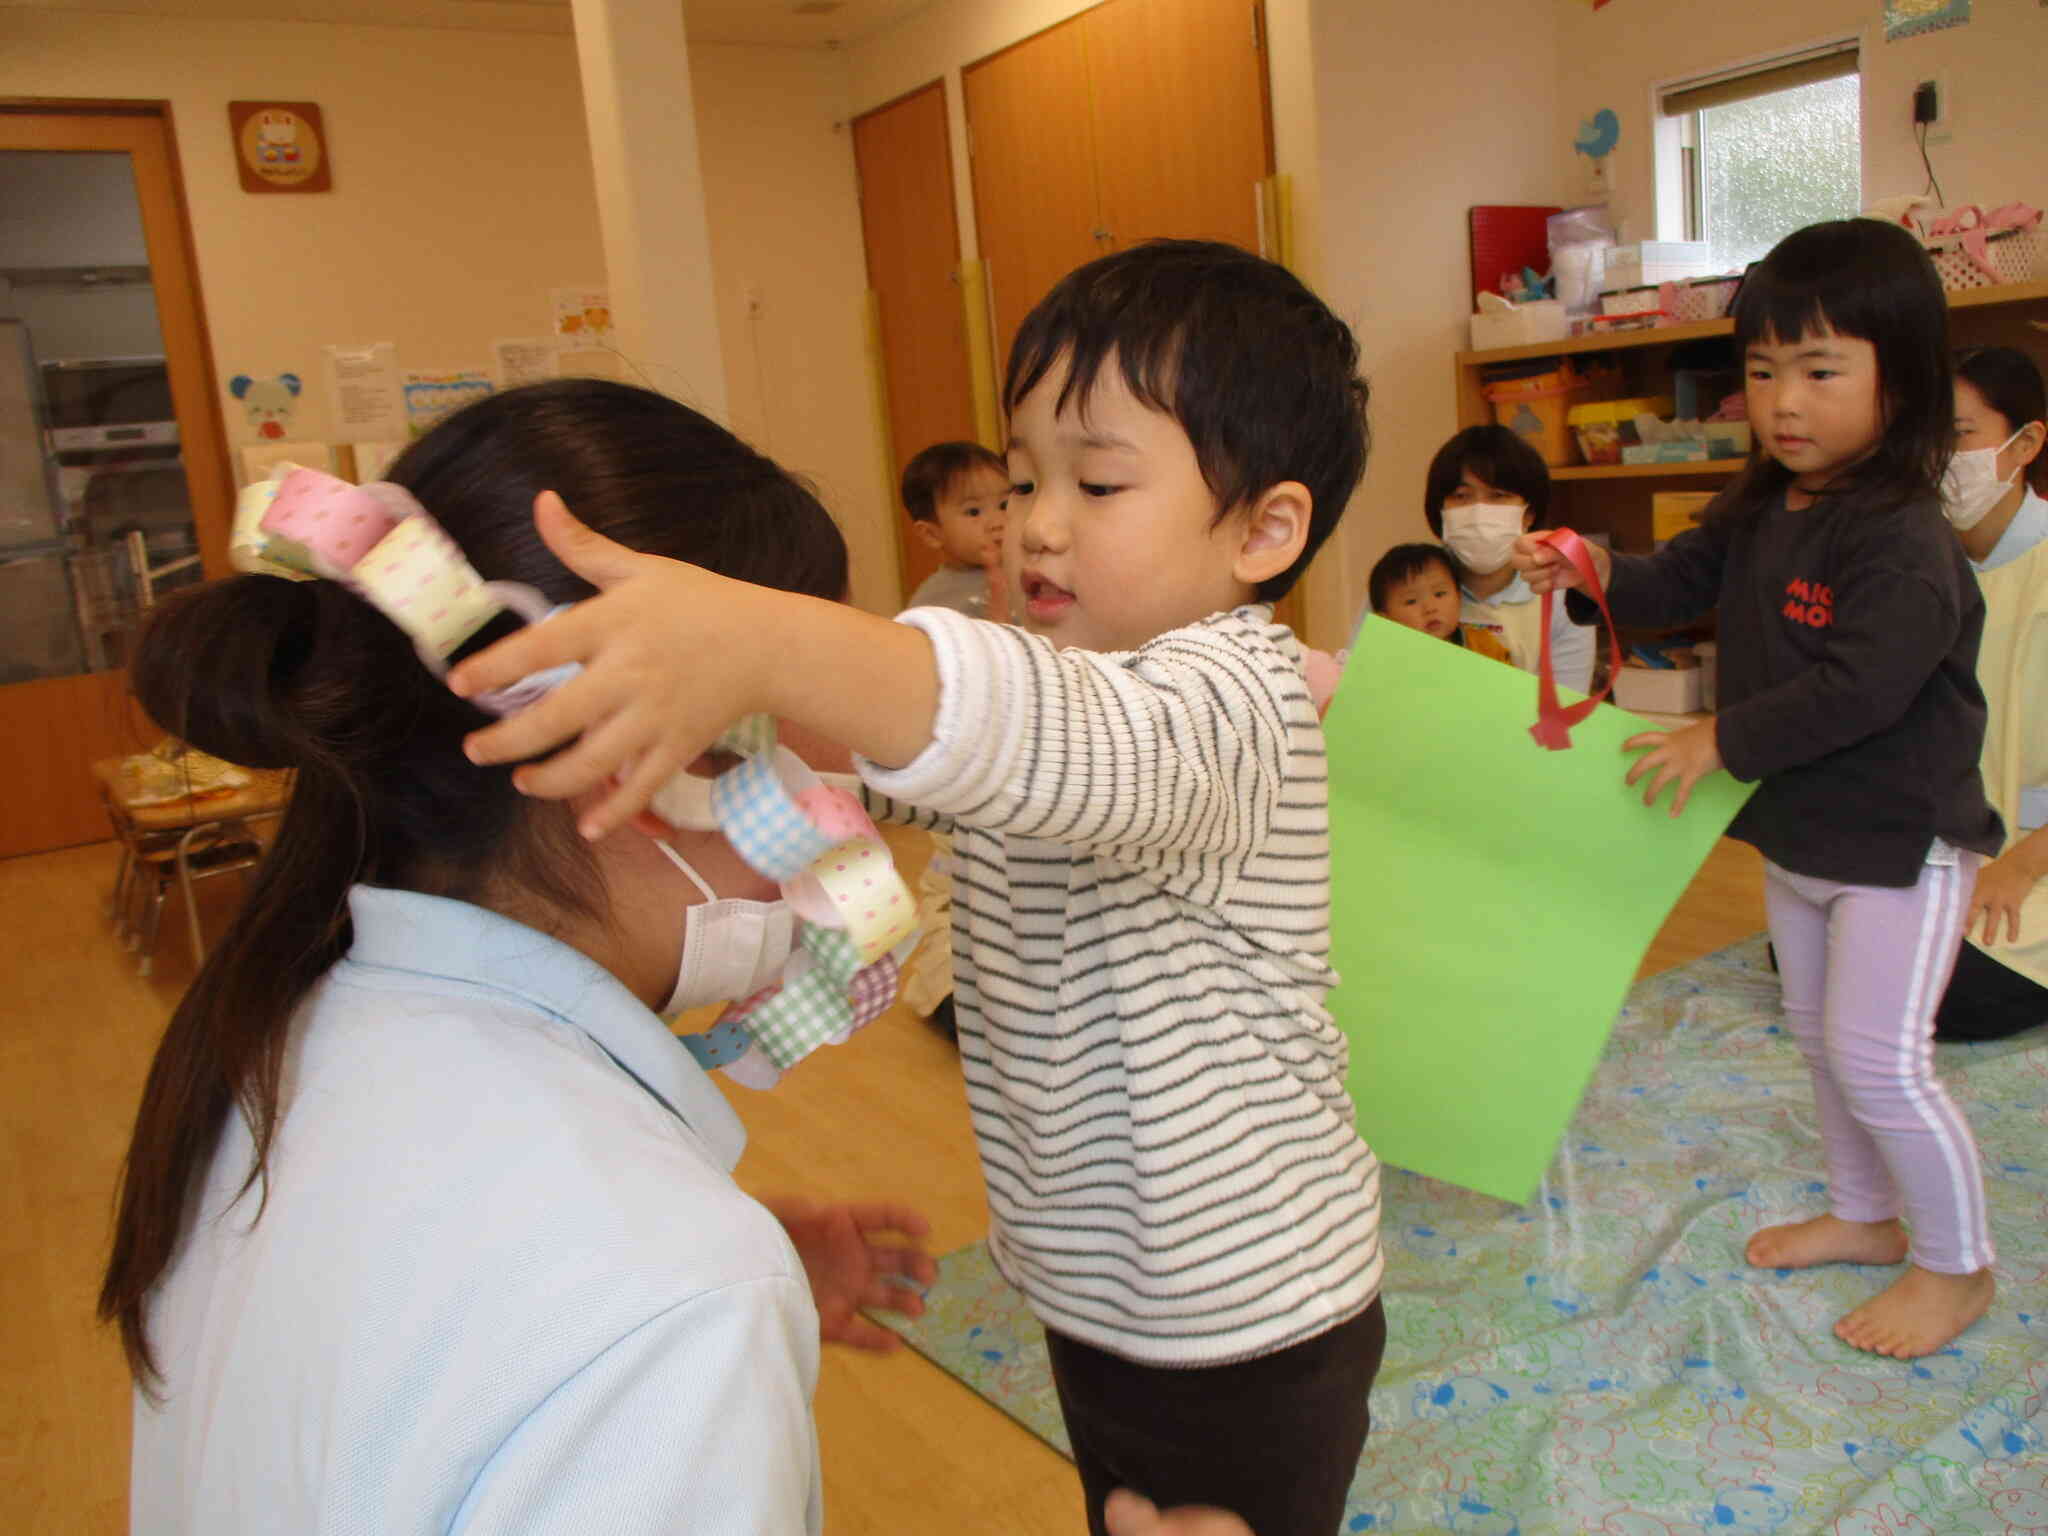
1917, 1313
1827, 1240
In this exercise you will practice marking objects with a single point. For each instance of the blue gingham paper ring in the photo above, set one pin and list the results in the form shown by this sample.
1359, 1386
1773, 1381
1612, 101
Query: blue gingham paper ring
756, 808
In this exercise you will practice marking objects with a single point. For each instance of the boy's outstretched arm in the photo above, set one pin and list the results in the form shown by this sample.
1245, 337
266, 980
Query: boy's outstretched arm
672, 654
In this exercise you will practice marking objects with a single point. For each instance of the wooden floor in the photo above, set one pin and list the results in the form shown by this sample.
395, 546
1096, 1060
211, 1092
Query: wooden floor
907, 1450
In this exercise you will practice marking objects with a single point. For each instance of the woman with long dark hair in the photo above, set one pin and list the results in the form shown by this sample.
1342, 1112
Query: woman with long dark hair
427, 1223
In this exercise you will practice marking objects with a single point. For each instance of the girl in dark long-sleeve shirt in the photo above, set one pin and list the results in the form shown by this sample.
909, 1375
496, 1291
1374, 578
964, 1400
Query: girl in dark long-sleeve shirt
1849, 624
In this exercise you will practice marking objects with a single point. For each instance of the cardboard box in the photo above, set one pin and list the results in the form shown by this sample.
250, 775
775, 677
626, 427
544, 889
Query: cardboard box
1658, 690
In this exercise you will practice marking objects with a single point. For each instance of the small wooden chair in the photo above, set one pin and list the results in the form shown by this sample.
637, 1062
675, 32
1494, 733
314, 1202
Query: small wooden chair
180, 842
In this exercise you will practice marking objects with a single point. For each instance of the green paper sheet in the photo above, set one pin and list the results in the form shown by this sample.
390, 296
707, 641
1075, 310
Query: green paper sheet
1490, 902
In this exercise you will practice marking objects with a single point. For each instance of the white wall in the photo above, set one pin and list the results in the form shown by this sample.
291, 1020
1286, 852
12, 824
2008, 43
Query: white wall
462, 190
1994, 66
463, 194
785, 229
1421, 113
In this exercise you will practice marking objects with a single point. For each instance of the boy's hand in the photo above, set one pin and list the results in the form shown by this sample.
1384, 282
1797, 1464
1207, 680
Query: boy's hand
1547, 570
668, 663
1683, 757
848, 1267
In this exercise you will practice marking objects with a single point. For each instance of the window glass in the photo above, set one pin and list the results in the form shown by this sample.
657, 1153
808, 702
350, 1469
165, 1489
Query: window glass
1777, 163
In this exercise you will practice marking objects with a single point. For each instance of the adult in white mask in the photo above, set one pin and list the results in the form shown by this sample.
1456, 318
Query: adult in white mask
421, 1181
1486, 488
1990, 491
1992, 496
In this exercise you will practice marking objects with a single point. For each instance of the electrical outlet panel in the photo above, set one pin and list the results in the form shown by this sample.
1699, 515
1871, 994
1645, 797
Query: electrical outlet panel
1934, 109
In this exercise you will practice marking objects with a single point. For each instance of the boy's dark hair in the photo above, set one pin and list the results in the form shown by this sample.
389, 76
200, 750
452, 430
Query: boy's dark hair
1259, 373
1496, 457
1404, 562
2010, 383
926, 477
1871, 280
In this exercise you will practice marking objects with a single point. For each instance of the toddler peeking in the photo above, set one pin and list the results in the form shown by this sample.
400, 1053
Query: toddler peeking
1418, 585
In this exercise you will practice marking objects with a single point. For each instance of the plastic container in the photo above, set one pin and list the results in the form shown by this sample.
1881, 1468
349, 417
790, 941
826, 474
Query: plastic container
1709, 656
1579, 240
1656, 261
1538, 321
1534, 404
1672, 512
1602, 428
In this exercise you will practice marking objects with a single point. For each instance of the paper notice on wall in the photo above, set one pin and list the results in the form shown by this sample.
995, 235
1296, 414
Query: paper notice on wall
362, 382
583, 316
431, 394
526, 360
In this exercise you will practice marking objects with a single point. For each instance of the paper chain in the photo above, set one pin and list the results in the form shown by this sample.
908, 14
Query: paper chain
857, 917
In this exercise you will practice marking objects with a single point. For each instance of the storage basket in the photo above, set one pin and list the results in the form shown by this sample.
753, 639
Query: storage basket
2016, 255
1630, 301
1705, 299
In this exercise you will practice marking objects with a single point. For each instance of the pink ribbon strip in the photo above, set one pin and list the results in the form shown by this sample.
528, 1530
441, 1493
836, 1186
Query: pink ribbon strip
1554, 721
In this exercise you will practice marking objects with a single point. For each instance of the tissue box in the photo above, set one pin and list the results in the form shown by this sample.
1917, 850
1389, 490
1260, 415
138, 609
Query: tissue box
1693, 451
1529, 324
1658, 690
1605, 427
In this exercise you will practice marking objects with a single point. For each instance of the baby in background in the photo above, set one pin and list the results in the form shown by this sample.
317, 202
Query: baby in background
1418, 585
955, 494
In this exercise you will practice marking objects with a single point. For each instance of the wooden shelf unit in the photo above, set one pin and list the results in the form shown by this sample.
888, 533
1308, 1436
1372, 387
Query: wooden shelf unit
1615, 498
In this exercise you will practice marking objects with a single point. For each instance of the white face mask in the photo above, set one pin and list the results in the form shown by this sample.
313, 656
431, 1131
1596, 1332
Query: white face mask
731, 948
1971, 488
1482, 535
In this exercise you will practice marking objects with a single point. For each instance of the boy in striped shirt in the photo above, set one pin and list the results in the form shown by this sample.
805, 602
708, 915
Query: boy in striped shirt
1135, 780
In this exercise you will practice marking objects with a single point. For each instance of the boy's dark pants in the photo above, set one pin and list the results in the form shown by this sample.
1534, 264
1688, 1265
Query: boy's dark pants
1275, 1439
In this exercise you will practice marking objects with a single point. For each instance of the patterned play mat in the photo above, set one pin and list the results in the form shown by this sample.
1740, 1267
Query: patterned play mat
1603, 1361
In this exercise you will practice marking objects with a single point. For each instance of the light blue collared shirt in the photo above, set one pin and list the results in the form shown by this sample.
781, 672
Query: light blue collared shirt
2029, 526
502, 1281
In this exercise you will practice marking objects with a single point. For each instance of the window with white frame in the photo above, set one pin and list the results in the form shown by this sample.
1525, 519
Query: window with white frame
1747, 156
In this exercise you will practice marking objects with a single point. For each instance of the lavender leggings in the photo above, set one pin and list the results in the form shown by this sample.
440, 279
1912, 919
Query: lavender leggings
1863, 968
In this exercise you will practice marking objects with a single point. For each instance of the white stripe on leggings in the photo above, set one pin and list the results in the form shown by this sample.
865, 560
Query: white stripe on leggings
1916, 1057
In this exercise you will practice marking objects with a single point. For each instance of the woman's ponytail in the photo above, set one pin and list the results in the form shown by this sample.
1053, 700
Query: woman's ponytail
223, 669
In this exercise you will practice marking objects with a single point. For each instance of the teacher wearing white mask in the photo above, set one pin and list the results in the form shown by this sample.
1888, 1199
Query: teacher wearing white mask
1486, 488
1991, 494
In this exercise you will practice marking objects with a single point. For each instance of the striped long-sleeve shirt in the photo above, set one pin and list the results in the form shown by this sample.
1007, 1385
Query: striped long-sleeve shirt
1141, 951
